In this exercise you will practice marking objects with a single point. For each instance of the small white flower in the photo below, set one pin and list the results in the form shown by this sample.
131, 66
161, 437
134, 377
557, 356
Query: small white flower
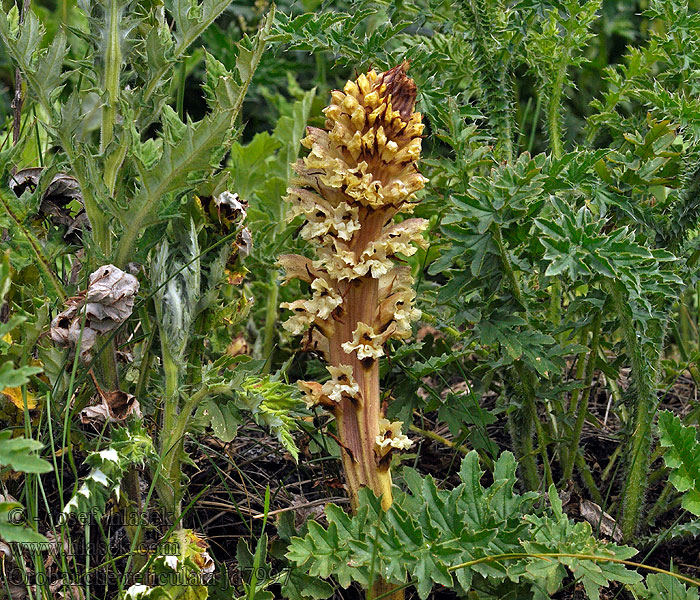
72, 503
338, 262
390, 436
300, 320
365, 342
375, 259
137, 591
171, 561
345, 220
403, 319
208, 566
313, 393
342, 383
316, 229
324, 300
398, 308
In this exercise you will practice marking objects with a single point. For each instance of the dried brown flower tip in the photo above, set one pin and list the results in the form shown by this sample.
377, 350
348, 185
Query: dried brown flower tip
401, 88
106, 304
61, 191
113, 407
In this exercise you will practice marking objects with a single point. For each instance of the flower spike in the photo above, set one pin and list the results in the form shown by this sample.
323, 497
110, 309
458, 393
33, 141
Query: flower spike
360, 173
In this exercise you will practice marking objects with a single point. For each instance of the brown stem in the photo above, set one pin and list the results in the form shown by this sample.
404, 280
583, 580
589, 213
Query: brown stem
358, 421
18, 99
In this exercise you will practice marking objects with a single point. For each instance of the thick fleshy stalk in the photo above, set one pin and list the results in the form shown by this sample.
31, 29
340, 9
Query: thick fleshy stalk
359, 174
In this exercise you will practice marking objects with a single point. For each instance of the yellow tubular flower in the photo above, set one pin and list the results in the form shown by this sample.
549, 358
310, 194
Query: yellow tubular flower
361, 171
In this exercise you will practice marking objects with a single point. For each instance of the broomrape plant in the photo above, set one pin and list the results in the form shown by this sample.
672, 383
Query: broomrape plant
361, 172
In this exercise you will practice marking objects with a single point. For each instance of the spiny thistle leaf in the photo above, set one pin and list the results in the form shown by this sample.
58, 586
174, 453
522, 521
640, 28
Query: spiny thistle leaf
273, 404
129, 446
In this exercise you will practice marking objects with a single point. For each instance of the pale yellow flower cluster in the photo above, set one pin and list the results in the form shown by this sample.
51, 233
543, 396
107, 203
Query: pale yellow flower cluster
341, 385
359, 173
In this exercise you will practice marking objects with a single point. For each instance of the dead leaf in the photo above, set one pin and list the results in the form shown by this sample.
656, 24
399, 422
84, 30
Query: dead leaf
244, 241
14, 395
68, 591
106, 304
600, 519
230, 207
60, 192
114, 407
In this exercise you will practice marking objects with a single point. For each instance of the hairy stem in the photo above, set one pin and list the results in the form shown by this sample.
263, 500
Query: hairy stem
171, 442
270, 321
644, 404
521, 427
553, 112
113, 61
580, 409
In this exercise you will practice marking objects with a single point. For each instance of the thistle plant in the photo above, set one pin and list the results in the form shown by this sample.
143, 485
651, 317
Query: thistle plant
360, 174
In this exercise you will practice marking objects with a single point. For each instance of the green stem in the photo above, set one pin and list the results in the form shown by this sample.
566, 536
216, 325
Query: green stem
533, 129
145, 366
169, 488
108, 366
496, 80
555, 303
581, 409
685, 321
613, 459
580, 370
553, 108
522, 428
133, 511
172, 445
438, 438
42, 262
182, 77
113, 61
270, 321
508, 267
531, 410
588, 478
645, 403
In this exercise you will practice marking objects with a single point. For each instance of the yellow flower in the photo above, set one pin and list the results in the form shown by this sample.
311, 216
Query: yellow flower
373, 142
342, 383
324, 301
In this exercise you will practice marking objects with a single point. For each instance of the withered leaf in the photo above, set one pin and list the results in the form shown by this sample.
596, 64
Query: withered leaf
600, 519
114, 406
